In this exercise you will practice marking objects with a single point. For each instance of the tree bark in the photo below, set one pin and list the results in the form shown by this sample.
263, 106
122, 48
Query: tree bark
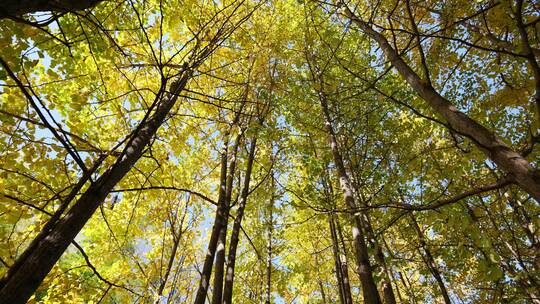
508, 160
344, 264
337, 261
386, 282
342, 282
369, 288
206, 272
217, 295
25, 280
235, 234
15, 8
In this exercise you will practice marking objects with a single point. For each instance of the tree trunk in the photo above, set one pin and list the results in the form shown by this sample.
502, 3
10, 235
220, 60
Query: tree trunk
15, 8
25, 280
337, 260
235, 235
430, 261
344, 265
269, 246
177, 236
508, 160
369, 288
206, 272
217, 295
323, 294
388, 293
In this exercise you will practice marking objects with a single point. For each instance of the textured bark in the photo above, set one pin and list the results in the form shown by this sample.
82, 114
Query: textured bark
21, 285
508, 160
369, 288
386, 282
529, 53
430, 261
235, 234
15, 8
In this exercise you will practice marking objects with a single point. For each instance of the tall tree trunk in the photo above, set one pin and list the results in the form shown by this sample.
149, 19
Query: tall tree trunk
508, 160
430, 261
319, 279
235, 234
22, 283
337, 260
386, 282
217, 295
206, 272
177, 236
269, 245
338, 245
344, 264
369, 288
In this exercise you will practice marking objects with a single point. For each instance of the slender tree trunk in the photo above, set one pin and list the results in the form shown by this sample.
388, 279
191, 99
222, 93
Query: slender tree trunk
397, 287
391, 273
217, 295
235, 234
323, 294
25, 280
369, 288
344, 264
430, 261
269, 246
319, 279
337, 260
407, 284
508, 160
206, 272
177, 236
338, 245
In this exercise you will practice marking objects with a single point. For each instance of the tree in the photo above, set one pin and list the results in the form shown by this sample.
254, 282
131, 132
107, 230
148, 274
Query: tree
197, 152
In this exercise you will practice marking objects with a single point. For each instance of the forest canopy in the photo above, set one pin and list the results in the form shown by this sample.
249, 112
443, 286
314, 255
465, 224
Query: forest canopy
249, 151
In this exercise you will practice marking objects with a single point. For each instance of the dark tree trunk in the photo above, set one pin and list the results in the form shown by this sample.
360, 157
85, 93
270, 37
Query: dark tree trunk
388, 293
235, 235
15, 8
21, 284
430, 261
206, 272
337, 261
269, 246
344, 265
217, 295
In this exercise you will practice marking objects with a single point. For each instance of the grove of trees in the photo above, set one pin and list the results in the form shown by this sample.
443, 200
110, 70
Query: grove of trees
289, 151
